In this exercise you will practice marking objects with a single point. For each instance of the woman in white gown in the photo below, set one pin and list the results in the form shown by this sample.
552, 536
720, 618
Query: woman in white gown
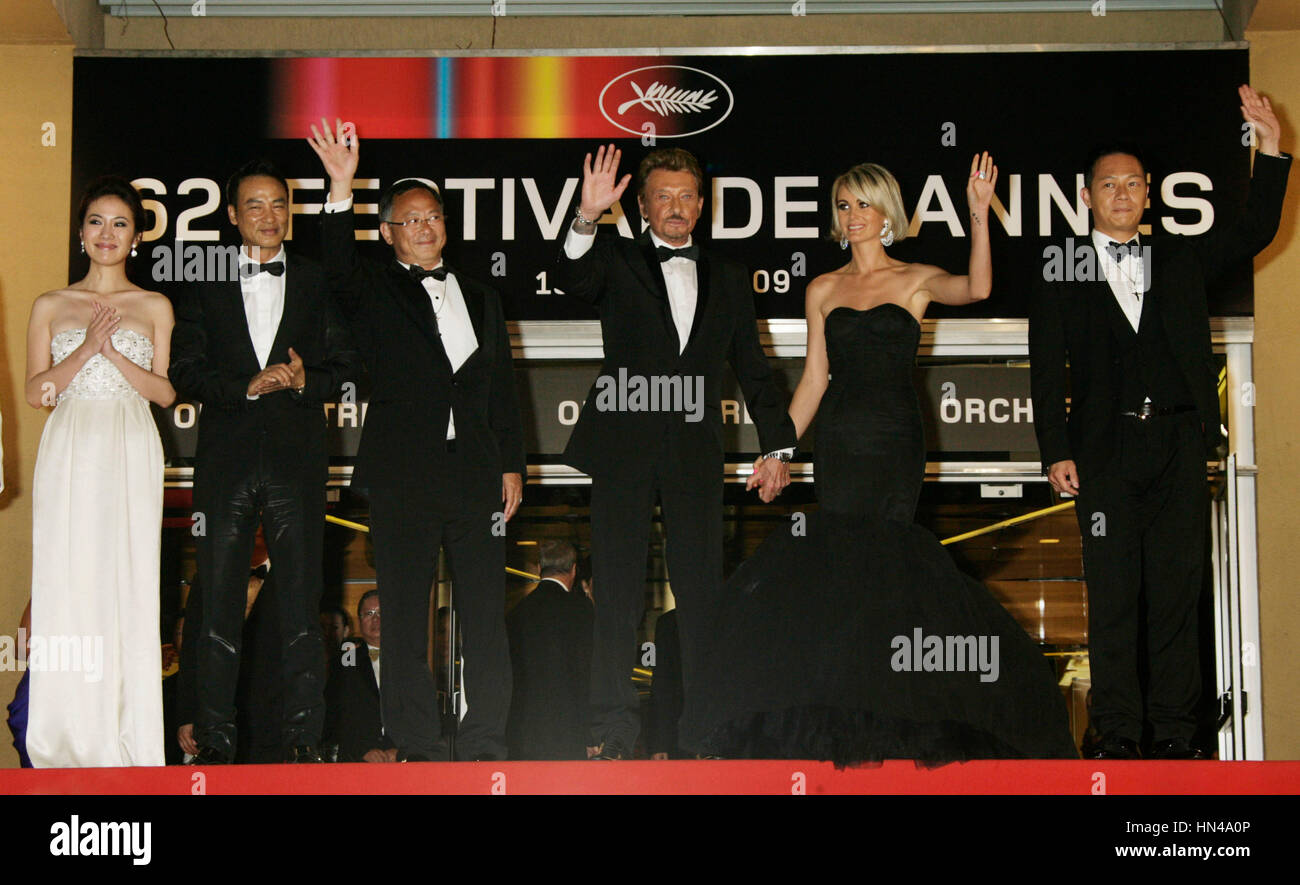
97, 351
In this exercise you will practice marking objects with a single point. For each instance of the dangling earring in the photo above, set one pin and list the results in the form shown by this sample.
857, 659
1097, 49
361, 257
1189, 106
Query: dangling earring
83, 247
134, 253
844, 242
886, 235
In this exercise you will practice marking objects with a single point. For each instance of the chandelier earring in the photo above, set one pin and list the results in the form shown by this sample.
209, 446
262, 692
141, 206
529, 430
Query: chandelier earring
844, 241
886, 235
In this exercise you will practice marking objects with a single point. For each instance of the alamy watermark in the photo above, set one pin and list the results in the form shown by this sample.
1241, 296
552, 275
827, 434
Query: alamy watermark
87, 838
1081, 264
54, 654
192, 263
653, 393
919, 653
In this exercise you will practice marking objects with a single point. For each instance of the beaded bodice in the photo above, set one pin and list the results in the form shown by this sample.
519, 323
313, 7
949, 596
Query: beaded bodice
99, 378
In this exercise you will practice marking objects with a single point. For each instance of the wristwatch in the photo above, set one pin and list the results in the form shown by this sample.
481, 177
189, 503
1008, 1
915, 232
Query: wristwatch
780, 456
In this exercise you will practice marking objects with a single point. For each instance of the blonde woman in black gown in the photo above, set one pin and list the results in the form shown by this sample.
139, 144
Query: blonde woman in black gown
857, 639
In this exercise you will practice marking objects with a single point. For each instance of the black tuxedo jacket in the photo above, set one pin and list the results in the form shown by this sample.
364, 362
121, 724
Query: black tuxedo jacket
352, 712
550, 633
623, 280
412, 385
1077, 321
212, 361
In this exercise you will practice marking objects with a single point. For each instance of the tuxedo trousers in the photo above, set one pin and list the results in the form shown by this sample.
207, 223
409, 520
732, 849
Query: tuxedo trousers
285, 493
1144, 521
457, 509
622, 510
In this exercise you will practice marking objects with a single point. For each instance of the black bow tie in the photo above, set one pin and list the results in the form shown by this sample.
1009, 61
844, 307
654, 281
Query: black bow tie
665, 253
419, 274
1118, 251
274, 268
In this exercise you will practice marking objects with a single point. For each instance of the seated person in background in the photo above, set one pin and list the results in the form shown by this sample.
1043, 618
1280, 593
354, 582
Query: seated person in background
550, 653
352, 719
334, 628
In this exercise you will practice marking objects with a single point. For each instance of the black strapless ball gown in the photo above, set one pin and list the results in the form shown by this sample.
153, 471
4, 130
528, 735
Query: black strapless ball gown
854, 637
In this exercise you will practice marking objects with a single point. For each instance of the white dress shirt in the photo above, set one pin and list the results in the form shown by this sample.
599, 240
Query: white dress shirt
263, 304
449, 309
679, 277
1126, 279
453, 324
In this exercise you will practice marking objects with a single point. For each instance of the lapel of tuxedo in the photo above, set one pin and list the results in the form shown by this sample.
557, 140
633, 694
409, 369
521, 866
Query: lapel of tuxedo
295, 298
1173, 319
704, 284
413, 299
1173, 314
475, 304
653, 277
232, 293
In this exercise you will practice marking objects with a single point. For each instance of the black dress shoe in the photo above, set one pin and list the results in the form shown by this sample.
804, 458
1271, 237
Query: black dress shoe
302, 753
1177, 748
211, 756
1113, 747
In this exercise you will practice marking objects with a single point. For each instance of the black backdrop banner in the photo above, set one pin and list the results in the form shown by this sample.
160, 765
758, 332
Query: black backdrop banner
504, 138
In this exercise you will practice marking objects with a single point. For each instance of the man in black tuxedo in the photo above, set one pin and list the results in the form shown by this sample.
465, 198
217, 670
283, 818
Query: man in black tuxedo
671, 315
261, 353
352, 716
442, 453
550, 653
1144, 414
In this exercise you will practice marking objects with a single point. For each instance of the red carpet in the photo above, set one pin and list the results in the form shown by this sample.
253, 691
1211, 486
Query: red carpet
673, 778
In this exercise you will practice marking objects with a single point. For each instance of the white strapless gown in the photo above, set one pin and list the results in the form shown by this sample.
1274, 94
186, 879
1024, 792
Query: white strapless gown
95, 662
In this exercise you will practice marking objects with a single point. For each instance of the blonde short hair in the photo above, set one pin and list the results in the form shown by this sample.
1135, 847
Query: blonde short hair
878, 187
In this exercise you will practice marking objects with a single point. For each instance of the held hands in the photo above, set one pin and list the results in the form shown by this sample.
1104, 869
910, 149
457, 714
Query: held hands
512, 492
339, 158
979, 188
770, 477
1258, 112
1064, 477
601, 186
